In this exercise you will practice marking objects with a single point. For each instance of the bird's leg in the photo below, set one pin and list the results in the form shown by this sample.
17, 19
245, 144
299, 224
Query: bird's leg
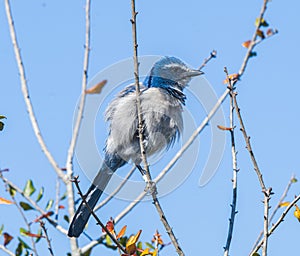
150, 187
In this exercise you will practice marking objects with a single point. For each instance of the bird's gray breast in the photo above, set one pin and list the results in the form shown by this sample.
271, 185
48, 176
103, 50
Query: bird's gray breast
162, 117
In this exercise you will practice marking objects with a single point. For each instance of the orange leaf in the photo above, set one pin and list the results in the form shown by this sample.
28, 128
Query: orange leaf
47, 214
122, 232
246, 44
131, 243
284, 204
32, 235
232, 77
97, 88
5, 201
223, 128
7, 238
61, 207
157, 238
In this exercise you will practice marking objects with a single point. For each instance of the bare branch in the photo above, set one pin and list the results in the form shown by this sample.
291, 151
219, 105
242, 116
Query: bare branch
42, 224
234, 168
3, 248
25, 92
212, 55
267, 192
284, 194
275, 226
99, 222
253, 40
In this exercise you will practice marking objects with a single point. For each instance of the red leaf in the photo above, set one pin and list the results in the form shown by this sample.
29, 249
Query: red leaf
47, 214
7, 238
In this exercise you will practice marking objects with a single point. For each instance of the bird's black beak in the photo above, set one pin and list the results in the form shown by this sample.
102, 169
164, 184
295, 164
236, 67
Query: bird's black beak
193, 72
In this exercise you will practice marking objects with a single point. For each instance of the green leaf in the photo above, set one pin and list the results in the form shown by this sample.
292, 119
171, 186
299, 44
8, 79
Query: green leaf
139, 245
19, 249
253, 54
149, 245
294, 180
66, 218
40, 233
255, 254
12, 191
40, 195
26, 206
29, 188
49, 204
1, 229
24, 245
63, 196
2, 117
108, 240
23, 232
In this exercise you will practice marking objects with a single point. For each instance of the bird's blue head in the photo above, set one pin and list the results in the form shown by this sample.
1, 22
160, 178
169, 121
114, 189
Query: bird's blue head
170, 72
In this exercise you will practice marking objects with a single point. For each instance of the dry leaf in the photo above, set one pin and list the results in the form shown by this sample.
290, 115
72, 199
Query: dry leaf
223, 128
232, 77
5, 201
97, 88
7, 238
284, 204
260, 33
246, 44
122, 232
131, 243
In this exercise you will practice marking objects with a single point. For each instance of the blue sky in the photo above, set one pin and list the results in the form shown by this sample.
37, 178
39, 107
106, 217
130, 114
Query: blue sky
51, 37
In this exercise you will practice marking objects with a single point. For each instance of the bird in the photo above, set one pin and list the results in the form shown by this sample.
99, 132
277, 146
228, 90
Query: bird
161, 101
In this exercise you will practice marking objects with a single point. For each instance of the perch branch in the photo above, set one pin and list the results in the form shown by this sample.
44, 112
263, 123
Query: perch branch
42, 224
25, 92
234, 168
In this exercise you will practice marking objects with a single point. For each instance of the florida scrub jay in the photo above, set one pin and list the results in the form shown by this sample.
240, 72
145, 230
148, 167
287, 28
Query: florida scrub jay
162, 99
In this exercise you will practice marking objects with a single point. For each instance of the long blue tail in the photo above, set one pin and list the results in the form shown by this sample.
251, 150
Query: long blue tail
82, 215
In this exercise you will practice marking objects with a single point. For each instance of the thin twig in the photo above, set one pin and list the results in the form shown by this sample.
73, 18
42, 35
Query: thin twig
267, 192
275, 226
234, 168
26, 222
150, 184
111, 195
42, 224
34, 205
284, 194
70, 156
57, 190
3, 248
212, 55
25, 92
253, 40
99, 222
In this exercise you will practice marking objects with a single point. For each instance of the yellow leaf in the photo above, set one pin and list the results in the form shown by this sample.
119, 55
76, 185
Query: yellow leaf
284, 204
232, 77
297, 213
145, 252
97, 88
122, 232
154, 252
131, 243
5, 201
